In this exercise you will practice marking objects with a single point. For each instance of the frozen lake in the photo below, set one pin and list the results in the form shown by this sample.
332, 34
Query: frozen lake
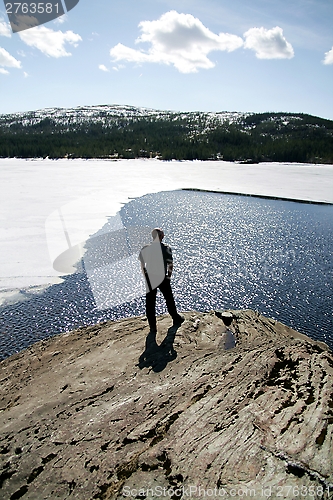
87, 192
51, 208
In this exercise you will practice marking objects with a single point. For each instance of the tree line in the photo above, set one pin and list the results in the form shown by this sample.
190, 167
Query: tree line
255, 138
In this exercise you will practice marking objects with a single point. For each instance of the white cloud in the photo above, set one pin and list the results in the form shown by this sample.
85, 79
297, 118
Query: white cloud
4, 71
102, 67
328, 57
7, 60
178, 39
50, 42
5, 29
268, 44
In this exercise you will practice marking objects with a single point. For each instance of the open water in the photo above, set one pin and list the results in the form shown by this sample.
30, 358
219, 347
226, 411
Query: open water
230, 252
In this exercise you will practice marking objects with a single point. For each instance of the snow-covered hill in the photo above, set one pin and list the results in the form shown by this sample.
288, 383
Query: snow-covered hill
110, 115
115, 131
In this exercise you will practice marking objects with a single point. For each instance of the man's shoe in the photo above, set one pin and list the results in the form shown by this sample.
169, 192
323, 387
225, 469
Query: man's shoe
177, 322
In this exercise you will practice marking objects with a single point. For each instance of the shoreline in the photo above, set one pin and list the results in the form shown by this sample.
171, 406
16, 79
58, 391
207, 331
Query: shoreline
262, 196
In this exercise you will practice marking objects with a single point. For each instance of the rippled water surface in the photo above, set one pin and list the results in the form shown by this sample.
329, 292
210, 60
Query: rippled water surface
229, 252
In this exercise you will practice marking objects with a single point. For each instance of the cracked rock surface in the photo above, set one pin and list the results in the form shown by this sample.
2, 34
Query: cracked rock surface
208, 409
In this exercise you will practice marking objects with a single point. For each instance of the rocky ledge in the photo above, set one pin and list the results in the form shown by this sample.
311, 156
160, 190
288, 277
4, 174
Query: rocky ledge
239, 410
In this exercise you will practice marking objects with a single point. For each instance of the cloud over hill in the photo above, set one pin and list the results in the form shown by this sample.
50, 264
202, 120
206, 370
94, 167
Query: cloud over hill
183, 41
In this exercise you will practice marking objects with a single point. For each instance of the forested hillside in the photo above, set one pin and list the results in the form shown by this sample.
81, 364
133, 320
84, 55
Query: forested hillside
127, 132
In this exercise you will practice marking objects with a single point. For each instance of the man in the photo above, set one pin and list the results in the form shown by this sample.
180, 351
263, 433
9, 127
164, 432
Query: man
157, 265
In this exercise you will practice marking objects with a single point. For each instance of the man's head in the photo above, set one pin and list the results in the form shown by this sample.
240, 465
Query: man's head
157, 233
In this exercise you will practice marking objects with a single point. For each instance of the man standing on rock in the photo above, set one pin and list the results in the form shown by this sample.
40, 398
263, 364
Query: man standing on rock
157, 265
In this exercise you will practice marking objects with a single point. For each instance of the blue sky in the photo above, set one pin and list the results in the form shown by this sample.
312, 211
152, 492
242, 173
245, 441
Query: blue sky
185, 55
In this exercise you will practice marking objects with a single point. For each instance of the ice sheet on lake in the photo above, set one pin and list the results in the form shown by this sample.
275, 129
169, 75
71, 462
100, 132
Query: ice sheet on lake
49, 207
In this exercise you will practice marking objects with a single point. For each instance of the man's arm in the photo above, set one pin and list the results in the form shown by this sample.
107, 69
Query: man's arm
169, 262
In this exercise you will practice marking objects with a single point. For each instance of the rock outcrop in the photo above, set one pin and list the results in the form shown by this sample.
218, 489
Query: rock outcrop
209, 410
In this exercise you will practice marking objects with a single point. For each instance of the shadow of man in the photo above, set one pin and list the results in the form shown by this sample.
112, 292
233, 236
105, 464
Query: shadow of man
158, 356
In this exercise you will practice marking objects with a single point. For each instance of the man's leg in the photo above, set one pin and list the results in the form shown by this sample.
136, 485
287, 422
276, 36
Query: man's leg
166, 290
150, 309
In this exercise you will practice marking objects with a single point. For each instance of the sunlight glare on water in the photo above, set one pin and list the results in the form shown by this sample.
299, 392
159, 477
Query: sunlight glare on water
230, 252
245, 252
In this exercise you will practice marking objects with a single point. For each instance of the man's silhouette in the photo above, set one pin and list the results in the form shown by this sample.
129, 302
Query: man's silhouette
157, 265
